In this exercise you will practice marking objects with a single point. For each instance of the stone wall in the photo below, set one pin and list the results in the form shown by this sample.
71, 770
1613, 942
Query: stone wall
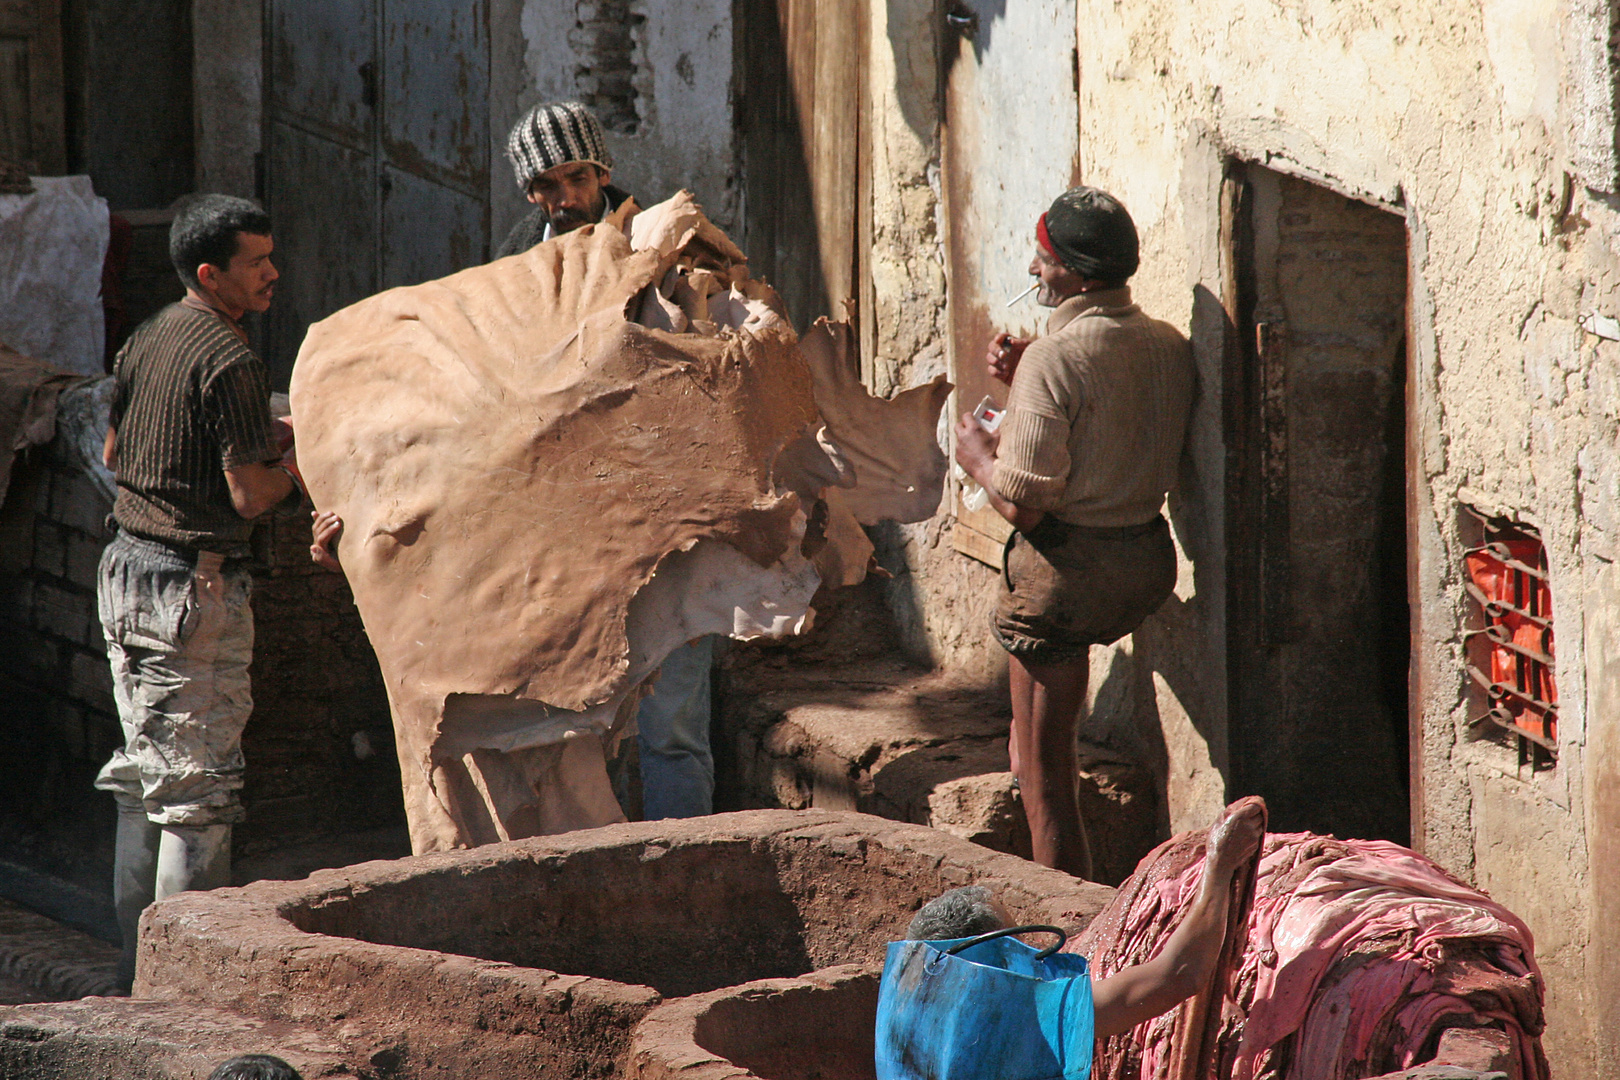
319, 746
58, 715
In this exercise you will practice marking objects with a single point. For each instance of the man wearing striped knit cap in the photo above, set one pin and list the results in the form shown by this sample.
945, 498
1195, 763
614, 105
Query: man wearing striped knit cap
1080, 466
562, 163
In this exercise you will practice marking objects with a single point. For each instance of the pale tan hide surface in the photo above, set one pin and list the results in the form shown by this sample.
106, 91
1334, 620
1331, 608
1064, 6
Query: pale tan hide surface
514, 460
890, 444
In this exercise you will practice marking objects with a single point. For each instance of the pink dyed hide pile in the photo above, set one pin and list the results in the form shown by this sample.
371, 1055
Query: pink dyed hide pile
1360, 953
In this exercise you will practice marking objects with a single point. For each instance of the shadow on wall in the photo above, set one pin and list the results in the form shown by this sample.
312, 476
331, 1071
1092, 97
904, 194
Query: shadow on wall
778, 214
974, 20
914, 32
1173, 644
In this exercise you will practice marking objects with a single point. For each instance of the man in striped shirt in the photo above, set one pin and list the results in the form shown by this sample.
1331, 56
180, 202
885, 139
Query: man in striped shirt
1080, 467
191, 444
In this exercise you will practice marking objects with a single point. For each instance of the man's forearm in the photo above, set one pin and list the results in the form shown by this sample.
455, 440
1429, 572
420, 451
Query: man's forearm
1022, 518
1182, 968
257, 488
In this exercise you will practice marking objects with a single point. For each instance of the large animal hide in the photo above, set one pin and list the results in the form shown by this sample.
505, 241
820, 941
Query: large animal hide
519, 449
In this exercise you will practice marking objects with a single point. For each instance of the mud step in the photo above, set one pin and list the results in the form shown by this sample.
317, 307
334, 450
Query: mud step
124, 1039
55, 962
929, 748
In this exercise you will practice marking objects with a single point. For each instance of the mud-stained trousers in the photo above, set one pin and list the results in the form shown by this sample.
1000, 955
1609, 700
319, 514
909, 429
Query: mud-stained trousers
179, 639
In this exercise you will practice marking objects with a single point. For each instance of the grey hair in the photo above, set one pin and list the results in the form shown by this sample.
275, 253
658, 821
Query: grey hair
960, 913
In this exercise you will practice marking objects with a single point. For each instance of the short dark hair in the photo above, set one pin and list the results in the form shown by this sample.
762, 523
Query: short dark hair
254, 1066
204, 231
961, 913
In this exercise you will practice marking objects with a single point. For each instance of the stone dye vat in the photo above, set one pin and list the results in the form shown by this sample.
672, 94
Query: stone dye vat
721, 948
819, 1027
542, 956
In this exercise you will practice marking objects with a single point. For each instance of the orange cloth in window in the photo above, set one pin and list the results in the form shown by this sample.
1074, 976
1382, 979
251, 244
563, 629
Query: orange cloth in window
1523, 591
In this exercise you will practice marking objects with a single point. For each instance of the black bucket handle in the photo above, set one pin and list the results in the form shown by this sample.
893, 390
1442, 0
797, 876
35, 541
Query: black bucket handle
1062, 939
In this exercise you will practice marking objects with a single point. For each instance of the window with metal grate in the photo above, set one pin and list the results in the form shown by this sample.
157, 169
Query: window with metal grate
1511, 656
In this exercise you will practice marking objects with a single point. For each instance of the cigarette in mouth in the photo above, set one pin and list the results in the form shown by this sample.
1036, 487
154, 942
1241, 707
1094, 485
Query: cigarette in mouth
1023, 294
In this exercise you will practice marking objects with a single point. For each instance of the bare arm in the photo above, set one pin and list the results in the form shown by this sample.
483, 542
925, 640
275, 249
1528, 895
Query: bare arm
1139, 993
256, 488
1187, 962
976, 453
109, 450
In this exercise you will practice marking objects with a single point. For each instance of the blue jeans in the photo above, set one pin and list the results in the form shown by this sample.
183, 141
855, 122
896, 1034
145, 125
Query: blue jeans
677, 770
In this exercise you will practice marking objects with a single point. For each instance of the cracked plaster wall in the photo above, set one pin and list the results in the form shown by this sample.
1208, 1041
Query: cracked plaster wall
683, 82
940, 599
1476, 121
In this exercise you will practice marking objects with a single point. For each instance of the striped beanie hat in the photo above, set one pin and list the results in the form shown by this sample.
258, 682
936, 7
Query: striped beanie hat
552, 135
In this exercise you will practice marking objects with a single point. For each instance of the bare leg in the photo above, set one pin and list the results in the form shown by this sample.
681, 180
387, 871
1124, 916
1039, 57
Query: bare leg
1186, 963
1046, 701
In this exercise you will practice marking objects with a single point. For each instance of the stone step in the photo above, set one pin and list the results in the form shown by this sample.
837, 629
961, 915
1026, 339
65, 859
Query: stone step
924, 747
56, 962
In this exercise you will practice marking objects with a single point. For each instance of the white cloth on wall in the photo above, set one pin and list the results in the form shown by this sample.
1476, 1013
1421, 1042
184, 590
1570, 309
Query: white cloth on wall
52, 246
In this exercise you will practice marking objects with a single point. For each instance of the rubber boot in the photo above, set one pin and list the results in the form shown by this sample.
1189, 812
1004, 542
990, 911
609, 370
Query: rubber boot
193, 857
134, 879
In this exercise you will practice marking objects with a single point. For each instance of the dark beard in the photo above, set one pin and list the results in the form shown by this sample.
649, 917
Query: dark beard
569, 220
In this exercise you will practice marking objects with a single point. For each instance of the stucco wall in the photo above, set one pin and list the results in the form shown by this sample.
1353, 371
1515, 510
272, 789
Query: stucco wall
1465, 118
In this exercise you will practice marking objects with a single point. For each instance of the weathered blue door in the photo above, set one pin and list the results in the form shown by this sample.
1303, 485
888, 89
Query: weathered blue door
376, 151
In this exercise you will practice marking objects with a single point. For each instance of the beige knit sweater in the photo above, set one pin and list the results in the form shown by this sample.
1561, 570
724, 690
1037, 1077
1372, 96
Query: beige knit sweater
1097, 414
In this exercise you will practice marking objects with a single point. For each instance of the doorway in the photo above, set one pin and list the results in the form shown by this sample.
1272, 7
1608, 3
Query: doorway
802, 120
1318, 626
376, 152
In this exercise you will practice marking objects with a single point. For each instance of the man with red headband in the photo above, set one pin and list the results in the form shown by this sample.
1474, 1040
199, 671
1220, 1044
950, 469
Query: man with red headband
1080, 466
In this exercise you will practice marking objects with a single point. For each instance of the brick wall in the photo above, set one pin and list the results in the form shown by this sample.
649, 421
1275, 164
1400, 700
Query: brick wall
319, 746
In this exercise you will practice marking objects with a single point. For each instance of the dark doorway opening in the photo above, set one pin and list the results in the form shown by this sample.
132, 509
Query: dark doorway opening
1318, 630
801, 118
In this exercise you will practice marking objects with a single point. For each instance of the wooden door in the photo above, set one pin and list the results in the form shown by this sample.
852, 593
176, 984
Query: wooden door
376, 152
1011, 146
802, 119
31, 101
1318, 622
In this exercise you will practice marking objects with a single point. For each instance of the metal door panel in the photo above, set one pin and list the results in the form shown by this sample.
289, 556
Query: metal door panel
432, 230
1012, 130
377, 151
322, 206
436, 90
322, 68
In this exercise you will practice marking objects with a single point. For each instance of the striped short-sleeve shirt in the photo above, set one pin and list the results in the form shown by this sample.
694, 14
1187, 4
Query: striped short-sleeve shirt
191, 401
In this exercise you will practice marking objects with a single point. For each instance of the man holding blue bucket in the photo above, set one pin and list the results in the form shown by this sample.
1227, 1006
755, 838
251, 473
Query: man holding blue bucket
964, 999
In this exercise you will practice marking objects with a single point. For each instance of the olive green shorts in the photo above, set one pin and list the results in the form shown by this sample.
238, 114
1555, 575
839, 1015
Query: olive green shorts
1068, 587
